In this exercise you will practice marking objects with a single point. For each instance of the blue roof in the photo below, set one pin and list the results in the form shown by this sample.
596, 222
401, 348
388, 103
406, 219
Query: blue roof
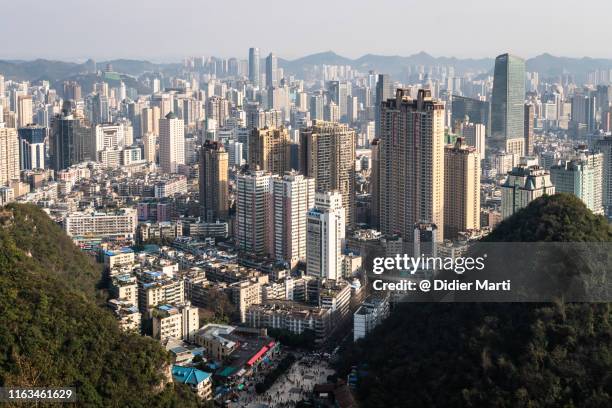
188, 375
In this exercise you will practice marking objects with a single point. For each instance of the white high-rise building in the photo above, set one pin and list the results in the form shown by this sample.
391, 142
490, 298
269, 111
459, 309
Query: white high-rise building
325, 236
293, 196
474, 135
253, 232
171, 143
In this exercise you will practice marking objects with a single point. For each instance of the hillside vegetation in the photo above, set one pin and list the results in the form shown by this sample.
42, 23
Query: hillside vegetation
54, 334
495, 354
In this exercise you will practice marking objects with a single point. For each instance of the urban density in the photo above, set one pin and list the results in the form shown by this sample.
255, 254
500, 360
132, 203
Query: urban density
236, 202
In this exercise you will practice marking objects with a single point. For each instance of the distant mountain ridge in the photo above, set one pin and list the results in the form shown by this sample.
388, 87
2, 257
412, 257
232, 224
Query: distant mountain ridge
546, 64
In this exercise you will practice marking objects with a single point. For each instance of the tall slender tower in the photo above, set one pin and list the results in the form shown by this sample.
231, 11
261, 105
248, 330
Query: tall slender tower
254, 66
384, 91
270, 150
411, 164
461, 189
271, 71
171, 143
327, 154
528, 133
508, 104
213, 181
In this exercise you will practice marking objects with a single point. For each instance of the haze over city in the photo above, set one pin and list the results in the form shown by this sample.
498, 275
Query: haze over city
284, 204
164, 31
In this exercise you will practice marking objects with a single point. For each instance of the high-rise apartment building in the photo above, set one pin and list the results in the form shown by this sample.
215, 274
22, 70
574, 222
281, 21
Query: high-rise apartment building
32, 141
581, 176
9, 156
528, 133
338, 93
411, 164
150, 120
217, 108
270, 150
461, 189
375, 184
253, 215
523, 185
474, 135
213, 181
254, 66
293, 196
384, 91
24, 110
508, 104
171, 143
475, 110
149, 141
325, 236
327, 154
70, 141
605, 147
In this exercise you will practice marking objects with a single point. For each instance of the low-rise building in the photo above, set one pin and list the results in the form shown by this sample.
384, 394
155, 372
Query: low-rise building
369, 315
199, 381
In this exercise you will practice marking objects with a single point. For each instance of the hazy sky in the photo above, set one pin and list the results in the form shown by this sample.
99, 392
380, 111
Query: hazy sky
166, 30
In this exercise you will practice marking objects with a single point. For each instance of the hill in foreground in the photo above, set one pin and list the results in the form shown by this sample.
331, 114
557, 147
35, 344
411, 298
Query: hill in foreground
495, 354
54, 334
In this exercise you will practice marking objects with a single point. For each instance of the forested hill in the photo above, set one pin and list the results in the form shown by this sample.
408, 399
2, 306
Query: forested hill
52, 332
494, 354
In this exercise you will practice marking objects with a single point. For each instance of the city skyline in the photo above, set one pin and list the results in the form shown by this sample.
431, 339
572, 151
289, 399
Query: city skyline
199, 26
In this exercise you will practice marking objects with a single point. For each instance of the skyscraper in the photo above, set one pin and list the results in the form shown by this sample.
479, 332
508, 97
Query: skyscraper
293, 196
477, 111
605, 147
461, 189
253, 230
270, 150
338, 92
171, 143
411, 164
254, 66
70, 141
474, 135
384, 91
375, 184
213, 181
327, 154
271, 70
528, 133
9, 156
149, 141
508, 104
32, 140
24, 110
150, 120
325, 236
